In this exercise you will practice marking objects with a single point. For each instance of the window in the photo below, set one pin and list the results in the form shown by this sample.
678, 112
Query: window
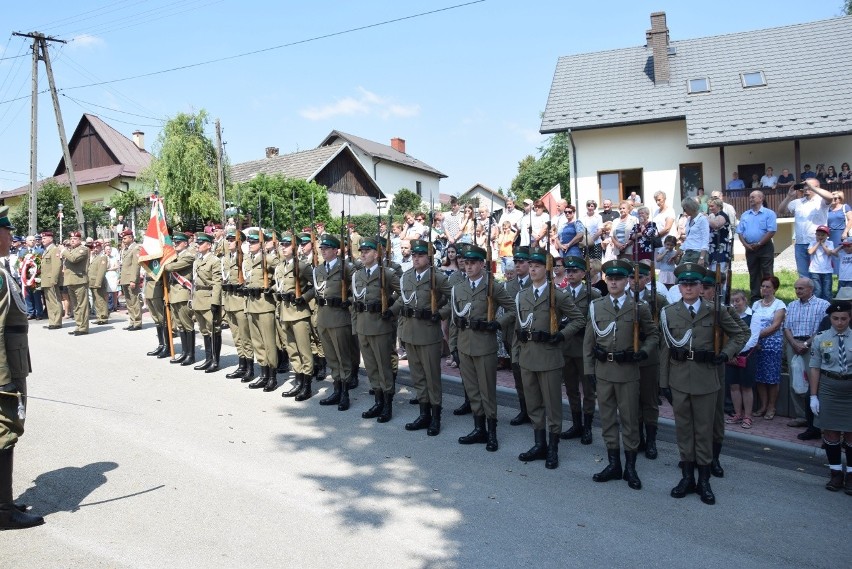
753, 79
691, 178
419, 188
616, 186
698, 86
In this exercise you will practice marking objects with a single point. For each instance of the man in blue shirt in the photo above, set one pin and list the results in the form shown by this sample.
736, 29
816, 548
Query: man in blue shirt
807, 173
736, 183
756, 228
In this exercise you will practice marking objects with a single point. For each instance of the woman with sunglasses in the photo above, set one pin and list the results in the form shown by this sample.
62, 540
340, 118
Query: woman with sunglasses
845, 175
572, 234
839, 221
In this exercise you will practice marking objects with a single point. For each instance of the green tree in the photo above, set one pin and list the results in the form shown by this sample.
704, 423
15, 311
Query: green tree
274, 195
406, 200
132, 205
184, 166
50, 195
537, 176
847, 7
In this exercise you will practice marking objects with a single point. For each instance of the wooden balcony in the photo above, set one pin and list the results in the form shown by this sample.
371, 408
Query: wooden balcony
739, 198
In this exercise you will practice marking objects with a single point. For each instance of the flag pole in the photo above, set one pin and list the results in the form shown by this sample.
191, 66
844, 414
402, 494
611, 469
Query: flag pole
168, 317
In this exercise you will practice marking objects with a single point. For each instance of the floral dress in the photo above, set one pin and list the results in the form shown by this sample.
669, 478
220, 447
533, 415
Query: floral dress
645, 237
768, 357
720, 241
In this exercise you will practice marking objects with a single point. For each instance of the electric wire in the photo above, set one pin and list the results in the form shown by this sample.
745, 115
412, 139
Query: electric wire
109, 26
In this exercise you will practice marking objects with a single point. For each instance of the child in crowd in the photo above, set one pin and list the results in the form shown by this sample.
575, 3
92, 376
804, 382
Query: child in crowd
396, 242
665, 261
844, 258
821, 250
610, 252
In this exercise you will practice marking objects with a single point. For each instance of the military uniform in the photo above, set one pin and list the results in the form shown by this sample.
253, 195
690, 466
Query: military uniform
513, 287
51, 279
293, 316
130, 275
260, 307
649, 378
179, 273
207, 303
307, 254
234, 307
154, 298
76, 278
97, 283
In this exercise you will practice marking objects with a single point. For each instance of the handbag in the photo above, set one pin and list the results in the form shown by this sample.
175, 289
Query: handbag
798, 379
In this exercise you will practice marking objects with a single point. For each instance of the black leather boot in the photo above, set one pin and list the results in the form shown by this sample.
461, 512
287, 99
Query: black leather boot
423, 420
283, 362
703, 487
576, 430
478, 435
248, 374
161, 343
216, 344
387, 408
435, 425
586, 439
208, 353
271, 380
334, 398
241, 369
687, 481
716, 466
641, 446
262, 378
376, 409
492, 445
538, 450
522, 416
184, 349
613, 469
320, 369
344, 397
352, 383
464, 408
552, 460
166, 352
306, 392
630, 474
297, 386
189, 350
11, 516
651, 442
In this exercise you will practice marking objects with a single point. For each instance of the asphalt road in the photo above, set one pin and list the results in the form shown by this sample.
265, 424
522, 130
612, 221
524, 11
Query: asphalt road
138, 463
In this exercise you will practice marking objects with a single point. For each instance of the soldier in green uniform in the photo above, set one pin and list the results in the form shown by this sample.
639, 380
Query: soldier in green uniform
477, 344
260, 307
422, 304
513, 287
14, 368
97, 282
294, 293
153, 293
179, 273
306, 255
539, 309
207, 301
573, 376
51, 279
374, 326
453, 332
128, 278
610, 355
76, 278
689, 376
234, 306
334, 322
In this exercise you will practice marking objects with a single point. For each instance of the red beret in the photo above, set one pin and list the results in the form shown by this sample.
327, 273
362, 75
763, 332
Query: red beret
126, 233
47, 233
75, 234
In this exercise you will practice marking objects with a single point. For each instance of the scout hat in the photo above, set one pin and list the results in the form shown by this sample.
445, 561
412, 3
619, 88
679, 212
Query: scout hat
538, 255
419, 246
381, 240
617, 268
521, 253
328, 240
845, 293
461, 249
839, 306
369, 243
4, 218
475, 253
572, 262
689, 273
268, 234
202, 237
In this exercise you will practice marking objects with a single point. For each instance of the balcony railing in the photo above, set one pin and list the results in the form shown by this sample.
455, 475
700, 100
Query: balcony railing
773, 198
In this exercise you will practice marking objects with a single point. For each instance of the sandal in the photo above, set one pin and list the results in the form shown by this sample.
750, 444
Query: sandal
769, 415
453, 364
746, 424
759, 413
733, 420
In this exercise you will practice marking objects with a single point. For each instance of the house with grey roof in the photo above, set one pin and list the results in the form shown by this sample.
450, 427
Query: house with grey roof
391, 167
678, 115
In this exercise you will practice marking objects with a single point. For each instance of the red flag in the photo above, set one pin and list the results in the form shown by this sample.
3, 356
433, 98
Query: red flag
157, 246
551, 198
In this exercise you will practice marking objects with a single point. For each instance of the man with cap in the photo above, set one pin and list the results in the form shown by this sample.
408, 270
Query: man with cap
260, 307
422, 304
544, 318
14, 368
76, 278
620, 335
333, 320
98, 263
375, 327
234, 307
831, 393
477, 343
573, 376
155, 301
179, 273
453, 332
522, 280
51, 277
689, 375
219, 247
129, 280
306, 255
207, 301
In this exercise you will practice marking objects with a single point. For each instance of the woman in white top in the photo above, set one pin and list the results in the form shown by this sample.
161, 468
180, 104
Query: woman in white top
593, 223
663, 216
622, 231
539, 225
112, 274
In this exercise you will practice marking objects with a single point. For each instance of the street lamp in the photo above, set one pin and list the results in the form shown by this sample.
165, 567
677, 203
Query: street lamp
60, 215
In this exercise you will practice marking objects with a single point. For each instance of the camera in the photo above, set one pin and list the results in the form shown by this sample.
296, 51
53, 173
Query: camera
800, 186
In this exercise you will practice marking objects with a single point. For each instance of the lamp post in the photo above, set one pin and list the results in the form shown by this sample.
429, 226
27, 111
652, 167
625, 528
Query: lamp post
60, 215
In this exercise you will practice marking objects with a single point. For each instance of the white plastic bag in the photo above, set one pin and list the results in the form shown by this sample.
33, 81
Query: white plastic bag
797, 374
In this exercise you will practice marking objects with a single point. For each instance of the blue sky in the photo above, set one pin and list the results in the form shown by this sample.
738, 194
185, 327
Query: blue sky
464, 87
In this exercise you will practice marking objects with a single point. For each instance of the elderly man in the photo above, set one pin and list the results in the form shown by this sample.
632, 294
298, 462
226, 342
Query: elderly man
785, 180
756, 228
558, 219
608, 214
696, 242
526, 220
736, 183
809, 212
800, 326
511, 214
769, 180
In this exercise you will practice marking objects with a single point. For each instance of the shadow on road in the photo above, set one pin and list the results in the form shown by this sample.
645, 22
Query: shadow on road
64, 489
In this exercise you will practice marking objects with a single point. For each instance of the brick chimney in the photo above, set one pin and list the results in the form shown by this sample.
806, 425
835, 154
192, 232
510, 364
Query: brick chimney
658, 40
398, 144
139, 139
271, 151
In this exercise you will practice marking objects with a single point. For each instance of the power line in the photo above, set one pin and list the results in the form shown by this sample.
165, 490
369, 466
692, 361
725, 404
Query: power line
13, 172
81, 103
106, 27
81, 16
113, 119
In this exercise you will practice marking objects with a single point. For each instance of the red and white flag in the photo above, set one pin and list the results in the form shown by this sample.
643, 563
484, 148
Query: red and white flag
551, 198
157, 246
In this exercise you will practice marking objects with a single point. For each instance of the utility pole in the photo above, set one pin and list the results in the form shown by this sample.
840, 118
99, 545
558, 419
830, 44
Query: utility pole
40, 52
220, 169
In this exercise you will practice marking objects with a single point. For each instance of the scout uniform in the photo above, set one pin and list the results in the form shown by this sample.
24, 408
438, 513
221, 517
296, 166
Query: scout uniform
573, 376
207, 303
179, 272
234, 306
688, 368
333, 320
260, 307
76, 278
130, 274
375, 330
97, 283
14, 368
513, 287
541, 359
609, 354
477, 348
420, 331
51, 277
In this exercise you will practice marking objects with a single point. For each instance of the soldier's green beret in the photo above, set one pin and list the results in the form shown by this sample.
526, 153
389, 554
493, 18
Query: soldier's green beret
419, 246
4, 218
475, 253
572, 262
304, 238
328, 240
617, 268
202, 237
839, 306
179, 237
252, 235
286, 237
689, 273
538, 255
369, 243
521, 253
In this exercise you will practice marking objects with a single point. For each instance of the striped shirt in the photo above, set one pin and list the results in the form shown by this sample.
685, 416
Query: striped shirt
803, 318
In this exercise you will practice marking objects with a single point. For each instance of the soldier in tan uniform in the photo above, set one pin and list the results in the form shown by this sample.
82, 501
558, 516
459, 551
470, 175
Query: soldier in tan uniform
76, 278
539, 311
153, 293
207, 301
51, 279
689, 375
178, 271
306, 254
293, 315
610, 355
521, 256
128, 278
234, 305
14, 368
97, 282
260, 307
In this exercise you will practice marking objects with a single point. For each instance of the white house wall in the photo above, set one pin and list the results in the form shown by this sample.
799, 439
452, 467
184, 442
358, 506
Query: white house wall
391, 177
354, 205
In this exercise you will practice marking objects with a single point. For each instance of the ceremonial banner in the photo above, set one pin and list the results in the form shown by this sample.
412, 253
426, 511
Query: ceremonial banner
157, 246
551, 198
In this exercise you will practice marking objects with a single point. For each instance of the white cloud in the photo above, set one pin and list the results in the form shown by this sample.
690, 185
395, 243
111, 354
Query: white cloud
86, 40
365, 103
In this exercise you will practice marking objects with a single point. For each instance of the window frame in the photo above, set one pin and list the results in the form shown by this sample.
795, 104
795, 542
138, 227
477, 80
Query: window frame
689, 89
745, 84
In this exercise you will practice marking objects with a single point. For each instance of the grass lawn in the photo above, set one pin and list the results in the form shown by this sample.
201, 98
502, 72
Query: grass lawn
785, 292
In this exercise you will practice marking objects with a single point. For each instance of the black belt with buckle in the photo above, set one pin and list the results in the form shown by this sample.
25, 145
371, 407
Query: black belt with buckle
418, 313
539, 336
617, 357
836, 375
371, 307
700, 356
332, 302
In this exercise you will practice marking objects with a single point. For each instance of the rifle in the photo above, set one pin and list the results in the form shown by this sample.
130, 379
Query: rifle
343, 292
433, 300
348, 222
554, 327
293, 242
262, 245
588, 275
381, 253
489, 248
717, 310
313, 235
636, 296
728, 273
241, 279
653, 302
